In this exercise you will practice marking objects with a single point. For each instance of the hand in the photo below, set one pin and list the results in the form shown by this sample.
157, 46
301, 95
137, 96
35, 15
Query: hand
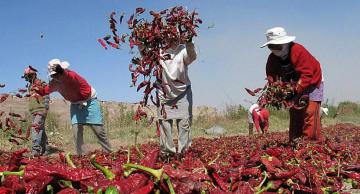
190, 39
59, 69
292, 96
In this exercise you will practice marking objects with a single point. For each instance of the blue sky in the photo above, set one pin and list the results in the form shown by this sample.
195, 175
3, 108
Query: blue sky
229, 57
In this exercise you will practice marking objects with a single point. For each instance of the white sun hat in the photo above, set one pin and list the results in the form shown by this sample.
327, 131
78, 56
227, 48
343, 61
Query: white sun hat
52, 65
277, 35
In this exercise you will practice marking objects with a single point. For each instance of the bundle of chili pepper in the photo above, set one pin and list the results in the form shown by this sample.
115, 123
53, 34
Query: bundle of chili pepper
279, 94
152, 36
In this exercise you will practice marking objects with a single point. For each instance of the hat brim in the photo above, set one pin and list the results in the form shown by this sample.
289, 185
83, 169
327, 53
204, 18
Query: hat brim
282, 40
63, 64
52, 73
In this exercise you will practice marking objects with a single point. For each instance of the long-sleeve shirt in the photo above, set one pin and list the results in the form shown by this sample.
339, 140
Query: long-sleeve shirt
175, 71
300, 66
70, 85
259, 121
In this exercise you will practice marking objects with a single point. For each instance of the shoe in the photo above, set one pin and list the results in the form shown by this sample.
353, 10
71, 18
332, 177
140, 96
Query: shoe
165, 157
180, 157
36, 153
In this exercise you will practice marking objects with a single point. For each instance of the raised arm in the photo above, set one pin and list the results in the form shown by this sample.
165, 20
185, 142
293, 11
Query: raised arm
190, 55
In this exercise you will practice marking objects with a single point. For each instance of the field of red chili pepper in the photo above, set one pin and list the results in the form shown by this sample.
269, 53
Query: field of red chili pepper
237, 164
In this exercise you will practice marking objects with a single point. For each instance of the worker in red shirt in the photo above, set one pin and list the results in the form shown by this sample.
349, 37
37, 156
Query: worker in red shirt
259, 117
85, 107
291, 61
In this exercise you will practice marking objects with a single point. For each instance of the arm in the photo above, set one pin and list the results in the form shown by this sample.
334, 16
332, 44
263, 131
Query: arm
256, 119
43, 91
270, 69
80, 83
141, 49
190, 55
304, 64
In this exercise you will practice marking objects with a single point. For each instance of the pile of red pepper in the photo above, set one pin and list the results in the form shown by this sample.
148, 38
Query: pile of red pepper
152, 36
279, 94
239, 164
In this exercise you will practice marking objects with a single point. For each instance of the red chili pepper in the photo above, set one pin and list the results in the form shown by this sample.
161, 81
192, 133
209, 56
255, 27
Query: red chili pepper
145, 190
19, 131
114, 45
287, 174
174, 106
353, 175
112, 17
180, 174
250, 92
142, 84
4, 190
22, 90
13, 182
121, 17
18, 95
224, 186
140, 10
157, 129
301, 177
14, 141
36, 126
14, 114
9, 123
102, 43
155, 14
269, 166
130, 21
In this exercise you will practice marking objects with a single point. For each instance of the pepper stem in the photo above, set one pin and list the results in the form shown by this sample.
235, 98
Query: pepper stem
69, 161
17, 173
213, 161
49, 189
108, 174
262, 182
268, 186
66, 184
168, 182
156, 173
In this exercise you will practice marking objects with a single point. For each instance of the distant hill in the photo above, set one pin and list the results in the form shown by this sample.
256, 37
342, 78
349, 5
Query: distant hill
61, 108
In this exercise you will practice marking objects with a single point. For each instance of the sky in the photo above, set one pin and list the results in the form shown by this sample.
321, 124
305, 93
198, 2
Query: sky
228, 44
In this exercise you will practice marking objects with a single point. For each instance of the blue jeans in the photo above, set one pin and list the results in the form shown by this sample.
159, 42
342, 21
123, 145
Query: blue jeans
39, 137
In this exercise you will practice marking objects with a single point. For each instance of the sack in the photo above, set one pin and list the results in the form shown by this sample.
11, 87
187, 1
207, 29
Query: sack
215, 130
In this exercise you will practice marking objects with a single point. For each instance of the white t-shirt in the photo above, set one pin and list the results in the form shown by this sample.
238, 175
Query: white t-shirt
251, 109
175, 72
